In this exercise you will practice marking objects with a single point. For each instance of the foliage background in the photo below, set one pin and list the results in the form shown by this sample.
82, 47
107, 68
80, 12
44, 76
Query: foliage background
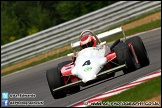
23, 18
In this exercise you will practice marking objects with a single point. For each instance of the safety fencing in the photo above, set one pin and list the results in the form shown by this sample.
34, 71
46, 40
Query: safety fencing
65, 33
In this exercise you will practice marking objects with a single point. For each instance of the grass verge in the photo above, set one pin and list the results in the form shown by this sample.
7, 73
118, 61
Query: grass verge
139, 93
141, 28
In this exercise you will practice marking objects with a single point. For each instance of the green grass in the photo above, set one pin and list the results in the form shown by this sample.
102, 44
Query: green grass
141, 28
140, 92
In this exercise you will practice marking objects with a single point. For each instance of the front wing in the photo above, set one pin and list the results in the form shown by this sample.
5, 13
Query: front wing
80, 81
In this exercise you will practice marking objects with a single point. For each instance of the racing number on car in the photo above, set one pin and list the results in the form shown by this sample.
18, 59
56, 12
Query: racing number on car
87, 63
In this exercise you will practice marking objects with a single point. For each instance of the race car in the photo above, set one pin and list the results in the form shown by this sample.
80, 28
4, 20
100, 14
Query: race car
99, 62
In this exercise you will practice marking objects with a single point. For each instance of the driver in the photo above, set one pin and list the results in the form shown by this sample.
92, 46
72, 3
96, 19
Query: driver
87, 41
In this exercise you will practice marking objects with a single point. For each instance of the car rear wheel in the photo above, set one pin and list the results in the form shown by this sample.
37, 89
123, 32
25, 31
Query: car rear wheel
54, 81
124, 57
140, 50
114, 44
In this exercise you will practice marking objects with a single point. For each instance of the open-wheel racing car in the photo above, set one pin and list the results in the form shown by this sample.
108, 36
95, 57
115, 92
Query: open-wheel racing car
99, 62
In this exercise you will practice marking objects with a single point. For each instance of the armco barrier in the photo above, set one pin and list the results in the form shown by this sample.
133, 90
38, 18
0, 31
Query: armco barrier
68, 32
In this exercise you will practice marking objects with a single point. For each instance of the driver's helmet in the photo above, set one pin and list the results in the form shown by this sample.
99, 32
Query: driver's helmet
87, 41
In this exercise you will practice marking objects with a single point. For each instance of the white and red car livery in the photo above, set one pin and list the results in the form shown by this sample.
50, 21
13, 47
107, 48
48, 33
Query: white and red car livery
95, 63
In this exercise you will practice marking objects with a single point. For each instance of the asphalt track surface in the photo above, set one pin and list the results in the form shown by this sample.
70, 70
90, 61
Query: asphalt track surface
33, 80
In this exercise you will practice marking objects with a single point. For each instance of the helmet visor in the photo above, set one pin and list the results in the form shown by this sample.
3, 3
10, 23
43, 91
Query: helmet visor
89, 44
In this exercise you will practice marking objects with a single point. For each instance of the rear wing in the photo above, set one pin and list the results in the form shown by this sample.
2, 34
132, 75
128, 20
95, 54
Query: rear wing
102, 36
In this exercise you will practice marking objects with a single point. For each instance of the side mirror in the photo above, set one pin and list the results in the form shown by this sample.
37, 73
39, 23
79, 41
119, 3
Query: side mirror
70, 55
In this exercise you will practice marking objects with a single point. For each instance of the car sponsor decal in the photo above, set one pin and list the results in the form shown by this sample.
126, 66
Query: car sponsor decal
87, 69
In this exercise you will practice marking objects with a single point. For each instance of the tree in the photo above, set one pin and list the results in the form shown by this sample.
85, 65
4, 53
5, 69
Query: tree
23, 18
